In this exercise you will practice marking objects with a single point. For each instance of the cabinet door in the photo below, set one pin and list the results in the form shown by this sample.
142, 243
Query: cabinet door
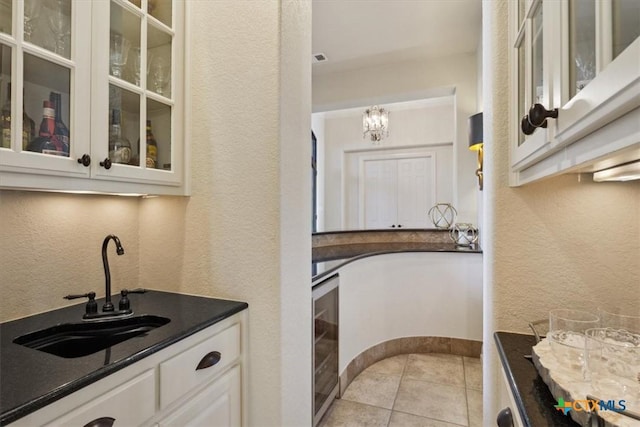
533, 83
137, 92
601, 65
127, 405
44, 79
217, 405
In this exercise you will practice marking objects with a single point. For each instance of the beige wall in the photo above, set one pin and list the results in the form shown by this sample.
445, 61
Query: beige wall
243, 234
563, 242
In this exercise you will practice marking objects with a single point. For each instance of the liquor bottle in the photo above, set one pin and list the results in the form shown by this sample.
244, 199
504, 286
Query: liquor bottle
152, 148
119, 147
44, 142
61, 131
28, 126
5, 121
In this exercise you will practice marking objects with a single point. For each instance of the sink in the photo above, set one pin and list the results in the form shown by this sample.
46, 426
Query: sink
70, 340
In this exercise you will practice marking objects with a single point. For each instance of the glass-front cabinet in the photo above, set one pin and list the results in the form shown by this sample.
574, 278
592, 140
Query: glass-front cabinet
92, 95
579, 61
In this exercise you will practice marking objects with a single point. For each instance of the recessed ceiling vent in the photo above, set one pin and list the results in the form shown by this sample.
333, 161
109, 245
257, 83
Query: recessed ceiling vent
319, 57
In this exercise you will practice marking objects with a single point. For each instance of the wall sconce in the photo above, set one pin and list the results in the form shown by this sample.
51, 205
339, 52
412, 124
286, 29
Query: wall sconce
476, 143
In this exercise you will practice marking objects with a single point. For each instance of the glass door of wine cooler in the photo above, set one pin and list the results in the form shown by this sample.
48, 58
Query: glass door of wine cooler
325, 345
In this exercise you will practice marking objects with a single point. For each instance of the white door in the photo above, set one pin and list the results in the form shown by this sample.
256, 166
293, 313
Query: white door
416, 191
398, 192
380, 186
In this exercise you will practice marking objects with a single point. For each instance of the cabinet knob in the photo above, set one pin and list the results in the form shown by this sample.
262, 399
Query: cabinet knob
106, 163
399, 225
101, 422
85, 160
209, 360
526, 127
538, 115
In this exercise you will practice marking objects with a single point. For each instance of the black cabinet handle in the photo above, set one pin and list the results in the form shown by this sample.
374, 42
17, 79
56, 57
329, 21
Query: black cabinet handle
526, 127
85, 160
393, 226
538, 115
101, 422
106, 163
399, 225
209, 360
505, 418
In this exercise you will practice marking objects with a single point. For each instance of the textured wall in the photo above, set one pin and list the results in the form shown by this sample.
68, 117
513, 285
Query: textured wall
562, 242
245, 232
50, 246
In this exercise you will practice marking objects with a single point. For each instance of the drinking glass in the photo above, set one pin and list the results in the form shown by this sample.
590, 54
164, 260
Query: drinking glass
136, 60
617, 320
160, 74
31, 15
60, 27
566, 334
119, 51
613, 362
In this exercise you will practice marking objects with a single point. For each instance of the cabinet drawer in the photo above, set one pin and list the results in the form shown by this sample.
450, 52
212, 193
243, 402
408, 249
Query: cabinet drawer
180, 374
129, 404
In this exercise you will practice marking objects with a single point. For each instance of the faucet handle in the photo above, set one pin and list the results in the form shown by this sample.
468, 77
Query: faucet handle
124, 303
92, 306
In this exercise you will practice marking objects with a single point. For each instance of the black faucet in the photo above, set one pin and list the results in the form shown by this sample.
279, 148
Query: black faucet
108, 305
108, 310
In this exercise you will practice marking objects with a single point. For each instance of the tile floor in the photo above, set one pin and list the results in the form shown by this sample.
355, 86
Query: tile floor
412, 390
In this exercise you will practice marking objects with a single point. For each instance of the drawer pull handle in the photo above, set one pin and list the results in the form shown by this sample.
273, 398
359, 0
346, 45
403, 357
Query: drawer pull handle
101, 422
209, 360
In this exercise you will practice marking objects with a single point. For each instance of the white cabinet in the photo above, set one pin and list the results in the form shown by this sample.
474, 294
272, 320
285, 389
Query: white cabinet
117, 67
580, 58
396, 192
198, 381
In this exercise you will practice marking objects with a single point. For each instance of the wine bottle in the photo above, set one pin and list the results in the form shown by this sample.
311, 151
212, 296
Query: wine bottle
119, 147
5, 121
152, 148
44, 142
61, 131
28, 126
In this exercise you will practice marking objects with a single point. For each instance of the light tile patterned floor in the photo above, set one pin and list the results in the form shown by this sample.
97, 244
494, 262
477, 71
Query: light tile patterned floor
412, 390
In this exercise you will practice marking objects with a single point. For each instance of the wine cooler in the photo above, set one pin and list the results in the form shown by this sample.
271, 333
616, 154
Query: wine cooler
325, 345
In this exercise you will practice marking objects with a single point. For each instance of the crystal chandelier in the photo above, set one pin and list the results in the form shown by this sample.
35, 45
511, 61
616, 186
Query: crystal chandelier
375, 122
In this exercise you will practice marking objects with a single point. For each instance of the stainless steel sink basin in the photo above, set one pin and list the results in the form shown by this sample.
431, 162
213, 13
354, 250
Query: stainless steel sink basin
71, 340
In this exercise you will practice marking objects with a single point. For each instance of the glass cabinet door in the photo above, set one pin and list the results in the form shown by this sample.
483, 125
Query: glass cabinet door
37, 103
582, 44
626, 24
140, 118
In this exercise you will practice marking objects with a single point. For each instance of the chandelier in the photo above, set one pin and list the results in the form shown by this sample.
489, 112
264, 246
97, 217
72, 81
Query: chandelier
375, 122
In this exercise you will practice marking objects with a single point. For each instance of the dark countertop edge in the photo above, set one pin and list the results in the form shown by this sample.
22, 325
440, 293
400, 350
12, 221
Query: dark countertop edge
321, 233
534, 401
23, 410
397, 251
522, 412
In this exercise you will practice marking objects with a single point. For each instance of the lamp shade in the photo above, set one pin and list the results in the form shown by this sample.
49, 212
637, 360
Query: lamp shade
475, 131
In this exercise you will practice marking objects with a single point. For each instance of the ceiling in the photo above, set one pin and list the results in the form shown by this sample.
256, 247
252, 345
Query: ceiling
356, 34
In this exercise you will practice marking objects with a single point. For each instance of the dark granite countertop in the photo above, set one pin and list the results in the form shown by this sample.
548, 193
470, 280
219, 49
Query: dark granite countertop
31, 379
534, 401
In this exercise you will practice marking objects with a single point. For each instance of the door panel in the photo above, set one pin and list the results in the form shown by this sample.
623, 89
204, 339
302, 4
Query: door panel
416, 191
380, 193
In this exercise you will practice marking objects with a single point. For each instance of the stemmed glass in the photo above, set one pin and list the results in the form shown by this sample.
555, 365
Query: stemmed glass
119, 51
160, 73
59, 26
31, 15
